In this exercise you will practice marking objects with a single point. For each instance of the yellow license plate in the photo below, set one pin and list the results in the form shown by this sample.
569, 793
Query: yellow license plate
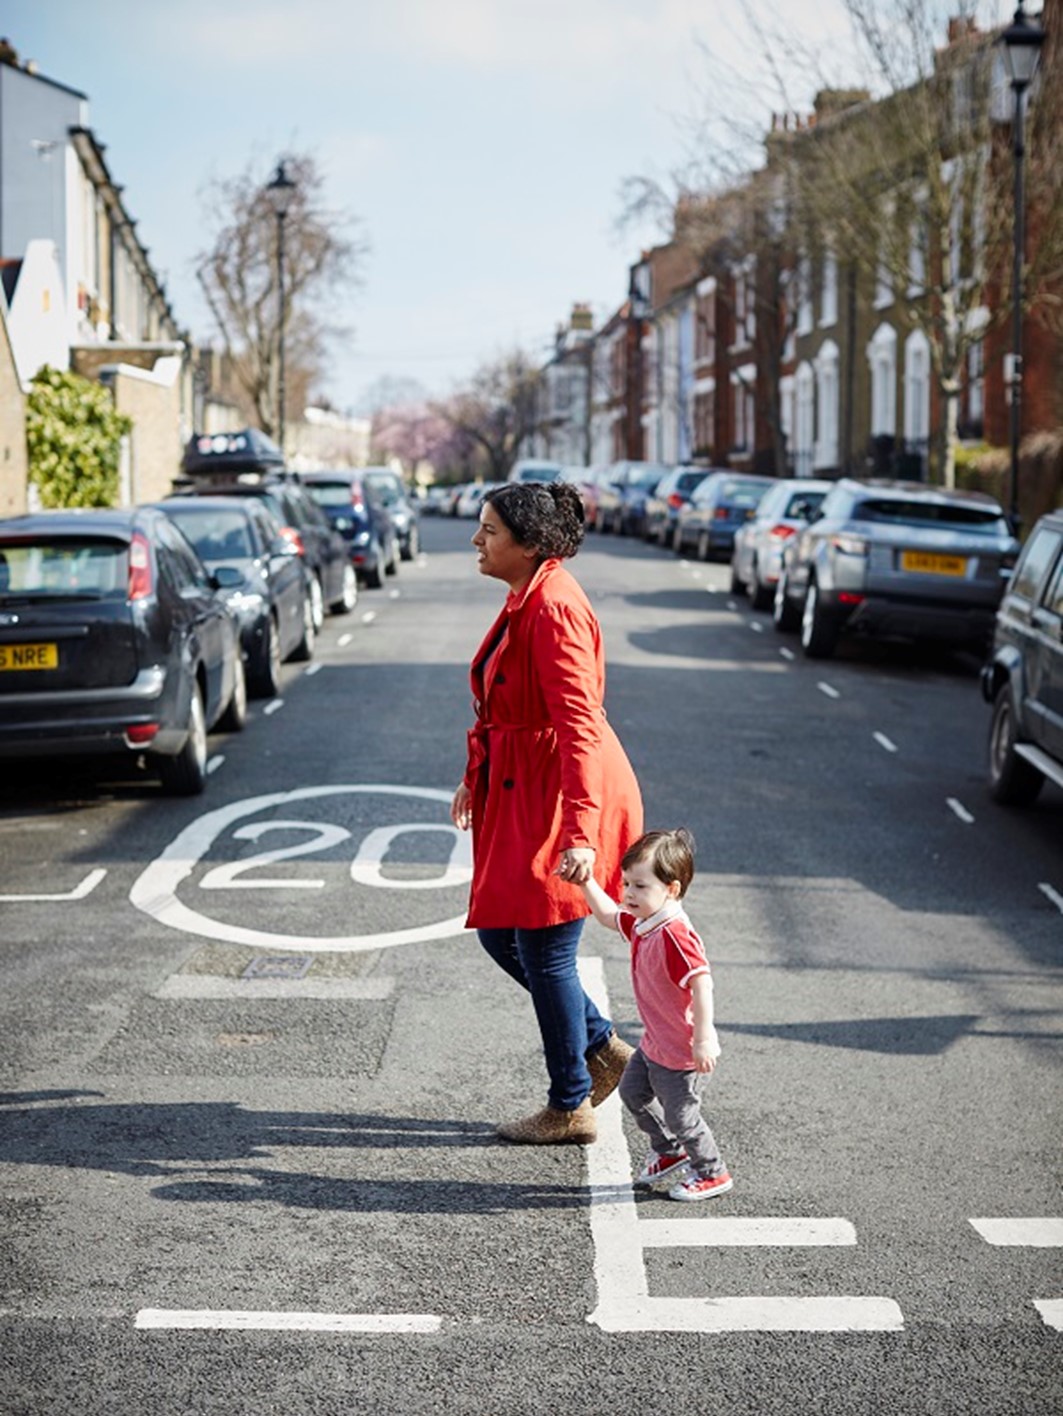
29, 656
927, 563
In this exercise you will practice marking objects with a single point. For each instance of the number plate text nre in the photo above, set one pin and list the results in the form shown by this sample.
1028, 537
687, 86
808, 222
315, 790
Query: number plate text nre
29, 656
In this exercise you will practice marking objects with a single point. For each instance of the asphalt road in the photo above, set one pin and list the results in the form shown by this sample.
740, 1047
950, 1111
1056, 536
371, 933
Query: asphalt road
282, 1193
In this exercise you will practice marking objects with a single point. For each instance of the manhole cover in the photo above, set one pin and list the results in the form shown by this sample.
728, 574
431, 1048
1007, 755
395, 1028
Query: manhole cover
278, 966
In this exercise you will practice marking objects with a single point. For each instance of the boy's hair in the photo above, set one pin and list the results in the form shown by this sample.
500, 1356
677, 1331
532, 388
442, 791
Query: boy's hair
670, 855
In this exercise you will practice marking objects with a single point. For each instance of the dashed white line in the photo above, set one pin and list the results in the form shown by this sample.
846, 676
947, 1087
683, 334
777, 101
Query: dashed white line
245, 1321
788, 654
273, 705
885, 742
1050, 894
344, 640
312, 669
213, 763
1035, 1233
756, 626
960, 810
394, 594
78, 893
828, 689
369, 617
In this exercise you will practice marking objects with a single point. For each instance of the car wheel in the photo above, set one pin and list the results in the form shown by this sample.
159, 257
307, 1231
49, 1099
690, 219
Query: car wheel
703, 546
304, 650
783, 613
266, 676
662, 535
235, 715
1012, 780
738, 586
760, 595
412, 546
391, 565
186, 774
374, 576
819, 633
317, 602
349, 598
677, 541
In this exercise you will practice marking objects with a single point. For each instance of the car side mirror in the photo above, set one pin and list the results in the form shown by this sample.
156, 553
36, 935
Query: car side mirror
226, 577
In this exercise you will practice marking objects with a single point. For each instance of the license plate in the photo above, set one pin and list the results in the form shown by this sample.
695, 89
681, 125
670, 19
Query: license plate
29, 656
927, 563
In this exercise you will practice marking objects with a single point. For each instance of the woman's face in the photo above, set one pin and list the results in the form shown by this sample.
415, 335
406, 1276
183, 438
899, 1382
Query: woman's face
500, 555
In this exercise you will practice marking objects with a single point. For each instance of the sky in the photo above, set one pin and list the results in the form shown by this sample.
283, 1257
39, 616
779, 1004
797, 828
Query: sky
482, 145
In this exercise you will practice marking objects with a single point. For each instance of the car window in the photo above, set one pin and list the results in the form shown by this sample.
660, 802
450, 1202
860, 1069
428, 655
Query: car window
1054, 597
334, 495
803, 504
64, 568
265, 527
1040, 552
179, 562
217, 534
741, 493
944, 515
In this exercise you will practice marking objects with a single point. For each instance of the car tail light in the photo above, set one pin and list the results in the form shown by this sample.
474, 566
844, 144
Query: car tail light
140, 733
357, 500
141, 582
849, 545
850, 597
294, 539
782, 532
722, 512
675, 501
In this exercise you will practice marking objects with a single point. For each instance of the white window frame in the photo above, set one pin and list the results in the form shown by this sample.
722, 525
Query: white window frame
828, 296
882, 364
828, 405
917, 389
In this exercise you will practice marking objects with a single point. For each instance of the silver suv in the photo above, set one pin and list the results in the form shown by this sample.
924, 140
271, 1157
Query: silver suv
896, 559
1024, 676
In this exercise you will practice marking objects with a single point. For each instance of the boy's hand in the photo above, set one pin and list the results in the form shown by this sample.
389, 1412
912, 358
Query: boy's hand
576, 865
703, 1058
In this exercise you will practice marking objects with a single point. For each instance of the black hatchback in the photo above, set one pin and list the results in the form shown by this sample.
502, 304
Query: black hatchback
114, 639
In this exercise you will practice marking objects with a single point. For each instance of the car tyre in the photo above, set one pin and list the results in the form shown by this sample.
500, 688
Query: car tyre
234, 719
186, 774
738, 585
374, 577
783, 612
412, 546
1012, 780
304, 650
266, 676
391, 565
819, 633
703, 546
677, 541
317, 603
347, 601
760, 595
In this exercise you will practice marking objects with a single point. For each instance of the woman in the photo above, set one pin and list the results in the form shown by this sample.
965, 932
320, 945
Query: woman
549, 794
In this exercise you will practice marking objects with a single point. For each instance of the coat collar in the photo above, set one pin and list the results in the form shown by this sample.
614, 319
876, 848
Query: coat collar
516, 600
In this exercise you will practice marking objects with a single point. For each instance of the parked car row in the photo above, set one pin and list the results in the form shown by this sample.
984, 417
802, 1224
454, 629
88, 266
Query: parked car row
139, 630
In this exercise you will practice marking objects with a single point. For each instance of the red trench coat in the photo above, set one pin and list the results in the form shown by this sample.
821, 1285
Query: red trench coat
545, 769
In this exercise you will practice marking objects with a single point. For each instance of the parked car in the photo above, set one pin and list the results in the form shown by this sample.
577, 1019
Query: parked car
436, 500
471, 498
114, 639
362, 521
672, 492
389, 488
1023, 679
756, 559
622, 496
320, 547
535, 469
260, 577
896, 559
718, 506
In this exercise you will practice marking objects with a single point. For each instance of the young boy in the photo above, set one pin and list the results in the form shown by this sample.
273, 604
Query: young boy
673, 989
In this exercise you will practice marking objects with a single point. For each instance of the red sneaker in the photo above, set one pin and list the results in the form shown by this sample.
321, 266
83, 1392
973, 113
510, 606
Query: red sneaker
659, 1168
701, 1187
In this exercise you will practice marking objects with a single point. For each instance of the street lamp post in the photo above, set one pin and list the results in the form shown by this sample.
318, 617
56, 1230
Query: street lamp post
280, 192
1021, 42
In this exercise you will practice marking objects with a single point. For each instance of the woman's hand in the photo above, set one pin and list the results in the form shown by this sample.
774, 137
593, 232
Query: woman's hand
576, 865
461, 808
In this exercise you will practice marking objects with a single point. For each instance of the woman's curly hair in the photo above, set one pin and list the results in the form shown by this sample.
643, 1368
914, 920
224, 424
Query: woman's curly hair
546, 515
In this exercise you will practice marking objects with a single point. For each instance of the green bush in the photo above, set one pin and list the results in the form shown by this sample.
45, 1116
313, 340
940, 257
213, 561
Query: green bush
73, 438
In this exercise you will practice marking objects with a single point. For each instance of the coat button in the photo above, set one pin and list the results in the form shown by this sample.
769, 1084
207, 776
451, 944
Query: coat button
500, 678
508, 783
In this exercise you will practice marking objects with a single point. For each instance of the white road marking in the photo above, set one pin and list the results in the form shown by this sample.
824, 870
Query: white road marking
733, 1231
1051, 1310
190, 985
1035, 1233
369, 617
756, 626
273, 705
960, 810
244, 1321
1053, 895
828, 690
788, 654
885, 742
313, 669
394, 594
619, 1237
78, 893
344, 640
213, 763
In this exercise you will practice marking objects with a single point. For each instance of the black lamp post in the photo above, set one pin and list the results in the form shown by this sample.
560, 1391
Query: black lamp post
1021, 42
280, 192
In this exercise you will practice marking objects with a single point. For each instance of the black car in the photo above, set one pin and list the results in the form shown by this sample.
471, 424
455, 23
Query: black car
388, 488
1023, 679
361, 519
622, 496
261, 579
114, 639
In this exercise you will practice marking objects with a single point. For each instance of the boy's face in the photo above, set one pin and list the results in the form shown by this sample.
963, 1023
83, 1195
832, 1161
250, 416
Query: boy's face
643, 894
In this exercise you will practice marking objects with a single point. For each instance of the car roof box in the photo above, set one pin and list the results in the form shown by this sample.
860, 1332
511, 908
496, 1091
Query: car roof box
231, 453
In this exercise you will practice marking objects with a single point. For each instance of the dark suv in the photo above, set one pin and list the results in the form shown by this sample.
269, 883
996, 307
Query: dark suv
1023, 679
354, 509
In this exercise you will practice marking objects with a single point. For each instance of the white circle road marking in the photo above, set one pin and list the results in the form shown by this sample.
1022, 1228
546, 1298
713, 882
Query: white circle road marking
155, 889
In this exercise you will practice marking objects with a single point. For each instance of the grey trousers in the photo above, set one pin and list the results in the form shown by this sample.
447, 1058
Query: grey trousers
666, 1105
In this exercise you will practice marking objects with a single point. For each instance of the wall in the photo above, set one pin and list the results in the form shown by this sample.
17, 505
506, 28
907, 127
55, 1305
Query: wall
13, 489
153, 401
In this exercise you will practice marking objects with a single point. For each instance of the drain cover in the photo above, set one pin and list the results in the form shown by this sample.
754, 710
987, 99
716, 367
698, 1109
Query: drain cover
278, 966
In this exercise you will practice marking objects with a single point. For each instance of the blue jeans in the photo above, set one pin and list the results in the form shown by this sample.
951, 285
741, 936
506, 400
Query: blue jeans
544, 962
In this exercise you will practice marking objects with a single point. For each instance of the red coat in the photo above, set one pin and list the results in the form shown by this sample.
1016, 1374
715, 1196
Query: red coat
545, 769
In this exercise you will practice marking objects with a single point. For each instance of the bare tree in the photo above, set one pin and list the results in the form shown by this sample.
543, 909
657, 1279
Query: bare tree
238, 275
496, 410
